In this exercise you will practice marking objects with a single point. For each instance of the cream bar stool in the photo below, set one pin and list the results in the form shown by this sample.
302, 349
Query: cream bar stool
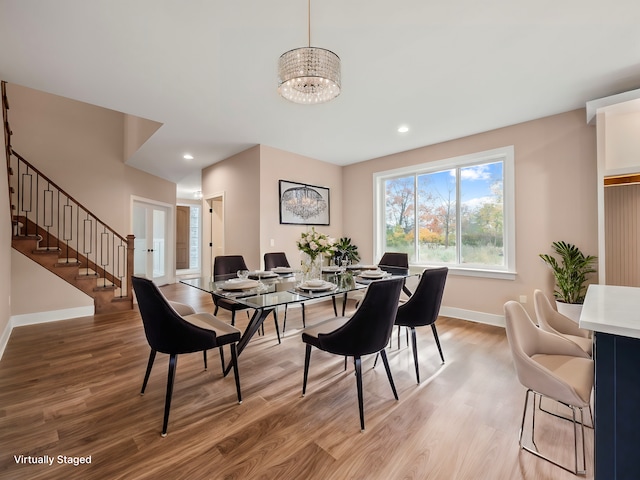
550, 366
550, 320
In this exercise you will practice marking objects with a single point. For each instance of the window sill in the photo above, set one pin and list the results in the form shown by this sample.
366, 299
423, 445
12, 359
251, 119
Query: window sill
470, 272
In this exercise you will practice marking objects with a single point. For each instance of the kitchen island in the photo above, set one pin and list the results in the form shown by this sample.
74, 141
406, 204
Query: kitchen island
613, 313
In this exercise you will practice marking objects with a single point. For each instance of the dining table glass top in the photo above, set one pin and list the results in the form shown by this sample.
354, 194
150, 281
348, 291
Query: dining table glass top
268, 289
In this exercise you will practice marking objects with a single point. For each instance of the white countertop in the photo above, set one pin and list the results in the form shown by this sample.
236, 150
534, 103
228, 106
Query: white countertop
612, 309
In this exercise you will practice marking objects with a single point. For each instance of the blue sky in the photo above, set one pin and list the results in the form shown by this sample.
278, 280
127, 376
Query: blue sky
476, 182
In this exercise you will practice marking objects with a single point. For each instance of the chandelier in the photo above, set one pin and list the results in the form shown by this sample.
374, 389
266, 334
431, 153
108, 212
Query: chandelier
303, 202
309, 74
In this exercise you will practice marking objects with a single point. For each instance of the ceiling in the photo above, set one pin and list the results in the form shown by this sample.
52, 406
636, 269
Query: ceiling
207, 69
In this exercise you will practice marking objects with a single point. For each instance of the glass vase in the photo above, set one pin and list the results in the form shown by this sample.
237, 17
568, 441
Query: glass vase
311, 266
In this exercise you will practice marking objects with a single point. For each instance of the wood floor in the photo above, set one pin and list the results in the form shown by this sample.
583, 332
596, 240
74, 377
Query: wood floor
72, 388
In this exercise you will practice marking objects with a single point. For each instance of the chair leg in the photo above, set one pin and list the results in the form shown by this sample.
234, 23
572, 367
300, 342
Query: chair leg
307, 359
435, 335
234, 361
335, 308
535, 451
383, 354
233, 318
222, 359
173, 360
204, 356
304, 323
152, 357
215, 312
414, 344
358, 364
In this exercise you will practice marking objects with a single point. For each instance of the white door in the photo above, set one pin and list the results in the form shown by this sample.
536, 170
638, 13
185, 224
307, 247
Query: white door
151, 230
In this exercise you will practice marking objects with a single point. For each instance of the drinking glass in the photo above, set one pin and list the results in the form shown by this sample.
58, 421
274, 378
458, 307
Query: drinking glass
243, 274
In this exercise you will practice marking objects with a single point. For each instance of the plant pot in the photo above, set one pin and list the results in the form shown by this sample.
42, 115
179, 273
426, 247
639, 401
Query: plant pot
571, 310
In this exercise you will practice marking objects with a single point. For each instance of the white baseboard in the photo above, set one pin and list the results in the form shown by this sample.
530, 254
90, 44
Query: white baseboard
41, 317
473, 316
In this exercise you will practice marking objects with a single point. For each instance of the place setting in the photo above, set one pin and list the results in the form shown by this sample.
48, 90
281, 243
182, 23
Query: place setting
367, 276
262, 274
282, 270
315, 286
239, 284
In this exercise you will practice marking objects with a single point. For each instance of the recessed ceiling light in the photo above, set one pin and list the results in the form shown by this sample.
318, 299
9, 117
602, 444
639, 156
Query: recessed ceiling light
403, 129
187, 156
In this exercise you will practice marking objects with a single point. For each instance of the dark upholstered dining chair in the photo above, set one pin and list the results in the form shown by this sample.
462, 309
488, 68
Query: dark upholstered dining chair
226, 267
169, 332
394, 262
275, 259
422, 308
367, 331
279, 259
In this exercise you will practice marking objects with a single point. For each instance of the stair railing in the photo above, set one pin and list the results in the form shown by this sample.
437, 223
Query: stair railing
41, 208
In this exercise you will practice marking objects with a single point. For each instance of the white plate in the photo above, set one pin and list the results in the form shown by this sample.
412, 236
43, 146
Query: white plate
320, 288
373, 274
262, 274
362, 267
239, 284
331, 269
282, 270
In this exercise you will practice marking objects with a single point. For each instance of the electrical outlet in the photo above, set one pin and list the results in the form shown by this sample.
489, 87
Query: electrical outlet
523, 299
273, 242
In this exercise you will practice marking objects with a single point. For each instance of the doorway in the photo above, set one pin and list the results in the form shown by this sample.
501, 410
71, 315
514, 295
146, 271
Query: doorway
188, 239
152, 255
215, 228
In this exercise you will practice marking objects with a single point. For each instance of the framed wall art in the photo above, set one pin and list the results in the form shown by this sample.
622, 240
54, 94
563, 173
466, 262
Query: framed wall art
302, 204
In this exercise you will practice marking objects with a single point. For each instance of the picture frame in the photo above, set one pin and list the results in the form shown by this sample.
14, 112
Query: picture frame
303, 204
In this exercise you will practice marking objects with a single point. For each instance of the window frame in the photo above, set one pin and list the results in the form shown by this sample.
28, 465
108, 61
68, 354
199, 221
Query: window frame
504, 154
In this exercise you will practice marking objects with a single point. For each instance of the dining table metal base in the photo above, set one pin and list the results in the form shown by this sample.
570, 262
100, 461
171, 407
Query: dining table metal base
256, 321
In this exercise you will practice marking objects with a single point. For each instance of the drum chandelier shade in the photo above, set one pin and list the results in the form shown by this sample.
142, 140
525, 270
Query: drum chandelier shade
309, 75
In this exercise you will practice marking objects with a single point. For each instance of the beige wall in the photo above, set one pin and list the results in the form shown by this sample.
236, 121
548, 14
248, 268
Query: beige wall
80, 147
249, 183
5, 254
278, 165
555, 185
622, 142
237, 179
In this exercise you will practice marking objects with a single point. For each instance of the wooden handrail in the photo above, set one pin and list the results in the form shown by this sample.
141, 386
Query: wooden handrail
21, 158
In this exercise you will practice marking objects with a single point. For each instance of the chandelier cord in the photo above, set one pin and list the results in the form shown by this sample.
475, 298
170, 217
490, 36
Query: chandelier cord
309, 22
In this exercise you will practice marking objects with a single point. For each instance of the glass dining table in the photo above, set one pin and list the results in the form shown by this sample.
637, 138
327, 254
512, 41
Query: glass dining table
266, 291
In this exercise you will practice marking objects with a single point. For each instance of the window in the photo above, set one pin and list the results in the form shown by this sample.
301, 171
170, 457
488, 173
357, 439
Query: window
456, 212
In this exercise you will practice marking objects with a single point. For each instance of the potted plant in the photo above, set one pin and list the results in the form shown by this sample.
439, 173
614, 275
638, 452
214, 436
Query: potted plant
345, 250
570, 271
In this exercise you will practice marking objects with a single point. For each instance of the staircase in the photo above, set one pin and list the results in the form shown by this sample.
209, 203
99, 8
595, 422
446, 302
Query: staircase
53, 229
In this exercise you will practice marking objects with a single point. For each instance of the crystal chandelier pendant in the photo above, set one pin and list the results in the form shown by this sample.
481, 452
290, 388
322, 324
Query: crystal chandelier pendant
309, 75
